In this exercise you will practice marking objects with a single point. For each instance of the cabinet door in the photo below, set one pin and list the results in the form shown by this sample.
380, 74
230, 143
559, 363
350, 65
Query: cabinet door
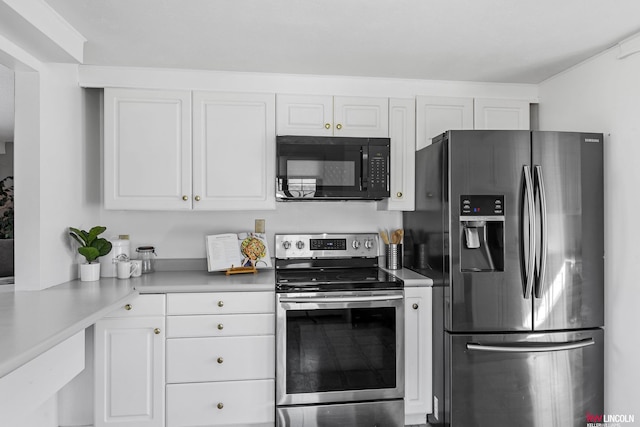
233, 151
129, 372
417, 324
147, 149
361, 116
402, 131
501, 114
435, 115
304, 115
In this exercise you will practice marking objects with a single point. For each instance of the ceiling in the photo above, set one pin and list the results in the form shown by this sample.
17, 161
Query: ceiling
513, 41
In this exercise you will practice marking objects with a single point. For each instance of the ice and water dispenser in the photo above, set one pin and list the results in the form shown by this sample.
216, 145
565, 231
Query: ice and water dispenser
482, 233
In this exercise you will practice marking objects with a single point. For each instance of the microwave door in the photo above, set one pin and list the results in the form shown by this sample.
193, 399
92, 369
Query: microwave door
306, 172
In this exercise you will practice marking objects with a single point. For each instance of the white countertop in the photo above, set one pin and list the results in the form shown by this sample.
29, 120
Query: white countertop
203, 281
32, 322
410, 277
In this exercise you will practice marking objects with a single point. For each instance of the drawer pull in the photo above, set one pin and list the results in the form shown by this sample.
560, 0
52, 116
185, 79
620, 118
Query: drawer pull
128, 307
220, 360
220, 303
156, 331
220, 326
220, 405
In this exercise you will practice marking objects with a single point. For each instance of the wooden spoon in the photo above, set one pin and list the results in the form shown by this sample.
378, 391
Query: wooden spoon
385, 237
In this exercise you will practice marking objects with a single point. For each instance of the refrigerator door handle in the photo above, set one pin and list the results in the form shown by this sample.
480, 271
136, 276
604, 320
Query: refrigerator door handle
539, 185
531, 347
529, 272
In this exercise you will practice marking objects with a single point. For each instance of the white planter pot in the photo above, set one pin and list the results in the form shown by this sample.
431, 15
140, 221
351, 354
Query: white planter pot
90, 272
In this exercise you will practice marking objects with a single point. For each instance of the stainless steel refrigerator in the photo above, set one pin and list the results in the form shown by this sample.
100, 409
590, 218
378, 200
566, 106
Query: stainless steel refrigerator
510, 226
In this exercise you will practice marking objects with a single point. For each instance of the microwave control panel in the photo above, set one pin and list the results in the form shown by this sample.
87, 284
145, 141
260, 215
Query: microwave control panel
379, 169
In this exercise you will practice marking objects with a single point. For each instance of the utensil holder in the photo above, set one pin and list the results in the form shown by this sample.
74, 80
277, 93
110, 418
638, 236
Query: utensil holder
394, 256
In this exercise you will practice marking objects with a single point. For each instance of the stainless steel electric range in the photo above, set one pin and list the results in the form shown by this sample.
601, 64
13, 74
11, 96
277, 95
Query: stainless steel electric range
339, 333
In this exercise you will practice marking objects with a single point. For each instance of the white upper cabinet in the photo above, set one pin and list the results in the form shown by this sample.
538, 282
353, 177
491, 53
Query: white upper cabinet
320, 115
359, 116
435, 115
147, 149
153, 162
233, 151
402, 131
304, 115
502, 114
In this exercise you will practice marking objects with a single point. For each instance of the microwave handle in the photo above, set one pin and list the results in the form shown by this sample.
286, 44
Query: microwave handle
364, 150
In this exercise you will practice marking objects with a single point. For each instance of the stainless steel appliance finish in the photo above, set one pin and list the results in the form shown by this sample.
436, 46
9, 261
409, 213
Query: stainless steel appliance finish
332, 168
339, 333
541, 379
362, 414
510, 224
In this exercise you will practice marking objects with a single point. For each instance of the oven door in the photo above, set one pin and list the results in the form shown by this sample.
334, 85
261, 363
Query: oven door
339, 346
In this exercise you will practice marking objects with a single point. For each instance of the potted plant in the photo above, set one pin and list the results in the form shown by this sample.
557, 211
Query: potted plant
91, 247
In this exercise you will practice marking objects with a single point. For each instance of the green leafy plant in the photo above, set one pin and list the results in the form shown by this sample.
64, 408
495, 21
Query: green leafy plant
91, 246
6, 208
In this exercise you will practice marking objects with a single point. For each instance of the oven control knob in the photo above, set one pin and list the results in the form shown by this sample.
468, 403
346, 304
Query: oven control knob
286, 244
368, 244
300, 244
355, 244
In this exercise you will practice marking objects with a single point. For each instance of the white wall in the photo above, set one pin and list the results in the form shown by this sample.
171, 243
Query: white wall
6, 104
181, 234
603, 95
55, 168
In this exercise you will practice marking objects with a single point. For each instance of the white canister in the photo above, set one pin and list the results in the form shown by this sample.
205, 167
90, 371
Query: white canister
108, 263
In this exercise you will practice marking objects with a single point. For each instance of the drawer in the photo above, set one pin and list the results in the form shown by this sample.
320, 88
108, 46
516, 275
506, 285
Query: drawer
221, 303
142, 305
223, 325
223, 403
220, 359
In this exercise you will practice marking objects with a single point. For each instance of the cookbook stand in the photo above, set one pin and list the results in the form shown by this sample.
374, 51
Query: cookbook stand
240, 270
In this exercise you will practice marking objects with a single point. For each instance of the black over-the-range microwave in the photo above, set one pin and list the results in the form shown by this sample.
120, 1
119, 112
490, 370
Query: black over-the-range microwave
332, 168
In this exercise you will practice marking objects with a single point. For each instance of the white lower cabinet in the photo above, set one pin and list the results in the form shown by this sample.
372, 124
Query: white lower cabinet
418, 359
130, 365
224, 403
221, 359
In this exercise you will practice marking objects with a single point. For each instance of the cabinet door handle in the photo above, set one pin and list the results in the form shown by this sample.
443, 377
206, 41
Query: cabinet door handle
327, 125
156, 331
415, 306
185, 198
399, 194
220, 360
128, 307
338, 126
220, 405
197, 198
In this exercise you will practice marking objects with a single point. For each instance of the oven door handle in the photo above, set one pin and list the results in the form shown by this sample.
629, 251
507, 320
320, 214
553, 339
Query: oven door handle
340, 299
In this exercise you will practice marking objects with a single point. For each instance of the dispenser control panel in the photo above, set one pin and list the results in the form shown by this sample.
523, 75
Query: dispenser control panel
482, 205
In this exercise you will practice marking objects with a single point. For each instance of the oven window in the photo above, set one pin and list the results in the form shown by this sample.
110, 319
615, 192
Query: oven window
332, 173
341, 350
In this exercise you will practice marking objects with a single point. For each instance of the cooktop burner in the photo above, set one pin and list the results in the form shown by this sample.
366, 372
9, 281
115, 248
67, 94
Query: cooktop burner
330, 262
336, 279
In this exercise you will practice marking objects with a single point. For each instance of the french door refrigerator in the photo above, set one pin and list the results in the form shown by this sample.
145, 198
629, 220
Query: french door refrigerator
510, 226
